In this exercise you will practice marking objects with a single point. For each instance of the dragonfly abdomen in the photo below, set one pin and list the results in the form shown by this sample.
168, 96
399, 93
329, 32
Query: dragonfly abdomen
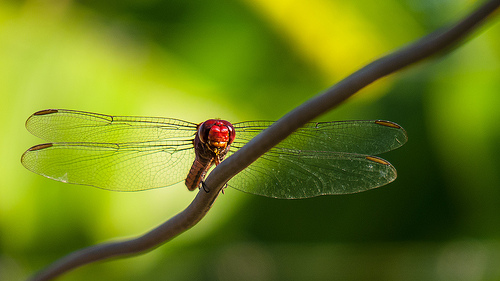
197, 173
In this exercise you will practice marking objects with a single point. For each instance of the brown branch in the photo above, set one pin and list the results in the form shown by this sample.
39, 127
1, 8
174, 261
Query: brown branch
429, 45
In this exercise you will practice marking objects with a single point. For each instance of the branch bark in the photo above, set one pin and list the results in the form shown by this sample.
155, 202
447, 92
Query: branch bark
427, 46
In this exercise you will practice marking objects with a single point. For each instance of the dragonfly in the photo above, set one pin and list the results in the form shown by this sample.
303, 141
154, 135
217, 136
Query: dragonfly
129, 153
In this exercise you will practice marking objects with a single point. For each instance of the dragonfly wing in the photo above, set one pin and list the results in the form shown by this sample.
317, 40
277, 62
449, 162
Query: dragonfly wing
369, 137
61, 125
121, 167
293, 174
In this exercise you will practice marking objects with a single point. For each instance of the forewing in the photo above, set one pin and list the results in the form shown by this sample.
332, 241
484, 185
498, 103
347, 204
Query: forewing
369, 137
292, 174
121, 167
60, 125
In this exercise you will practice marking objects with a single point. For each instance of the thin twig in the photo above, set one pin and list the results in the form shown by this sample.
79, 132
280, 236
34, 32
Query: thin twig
430, 45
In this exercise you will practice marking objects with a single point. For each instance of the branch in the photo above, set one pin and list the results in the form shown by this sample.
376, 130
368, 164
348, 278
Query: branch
431, 44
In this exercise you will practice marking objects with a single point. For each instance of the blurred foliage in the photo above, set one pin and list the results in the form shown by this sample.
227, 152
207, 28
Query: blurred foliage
250, 60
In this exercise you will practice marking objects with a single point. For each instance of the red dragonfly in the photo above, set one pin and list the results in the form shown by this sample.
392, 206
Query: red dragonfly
138, 153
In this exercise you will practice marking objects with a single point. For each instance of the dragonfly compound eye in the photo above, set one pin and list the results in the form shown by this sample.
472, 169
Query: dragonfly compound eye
218, 133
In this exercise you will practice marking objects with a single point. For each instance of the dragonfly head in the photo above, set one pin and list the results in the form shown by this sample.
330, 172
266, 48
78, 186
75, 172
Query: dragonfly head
217, 134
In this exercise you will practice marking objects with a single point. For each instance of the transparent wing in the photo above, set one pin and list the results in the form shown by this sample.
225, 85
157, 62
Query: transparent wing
138, 153
121, 167
320, 158
369, 137
292, 174
61, 125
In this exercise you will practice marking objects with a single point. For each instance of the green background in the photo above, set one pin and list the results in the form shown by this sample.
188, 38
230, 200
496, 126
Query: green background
254, 60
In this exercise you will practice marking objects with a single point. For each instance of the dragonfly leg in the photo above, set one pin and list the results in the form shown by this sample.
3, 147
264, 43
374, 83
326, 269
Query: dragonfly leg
224, 187
204, 187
